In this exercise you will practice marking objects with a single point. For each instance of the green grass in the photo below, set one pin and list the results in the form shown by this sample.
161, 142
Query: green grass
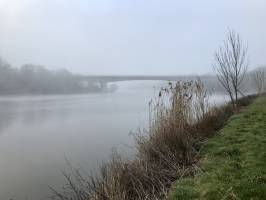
233, 163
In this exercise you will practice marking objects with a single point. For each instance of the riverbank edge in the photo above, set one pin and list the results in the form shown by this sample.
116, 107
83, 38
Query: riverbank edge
232, 164
167, 152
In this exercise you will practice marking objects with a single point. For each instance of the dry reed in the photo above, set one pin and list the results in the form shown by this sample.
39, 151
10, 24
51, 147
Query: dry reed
180, 119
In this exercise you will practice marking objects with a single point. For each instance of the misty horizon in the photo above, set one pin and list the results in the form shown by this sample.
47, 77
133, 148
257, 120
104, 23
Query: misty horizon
110, 37
129, 99
211, 73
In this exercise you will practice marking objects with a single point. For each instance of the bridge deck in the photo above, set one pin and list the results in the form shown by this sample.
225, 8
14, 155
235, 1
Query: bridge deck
132, 78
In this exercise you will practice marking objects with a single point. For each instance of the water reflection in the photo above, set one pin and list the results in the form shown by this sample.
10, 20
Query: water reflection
37, 133
7, 115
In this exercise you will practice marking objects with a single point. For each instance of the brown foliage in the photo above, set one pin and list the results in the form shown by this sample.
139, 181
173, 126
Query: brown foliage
180, 119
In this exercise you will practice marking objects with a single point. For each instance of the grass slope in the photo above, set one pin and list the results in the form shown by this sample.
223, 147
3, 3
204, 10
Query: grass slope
233, 164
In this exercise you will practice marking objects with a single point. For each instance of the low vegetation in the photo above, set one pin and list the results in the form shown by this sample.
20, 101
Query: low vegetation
180, 121
232, 164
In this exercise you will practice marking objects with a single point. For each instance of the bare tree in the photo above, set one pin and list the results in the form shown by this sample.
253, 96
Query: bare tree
259, 79
231, 65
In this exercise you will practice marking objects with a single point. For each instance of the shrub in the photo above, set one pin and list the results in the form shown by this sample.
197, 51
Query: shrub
180, 120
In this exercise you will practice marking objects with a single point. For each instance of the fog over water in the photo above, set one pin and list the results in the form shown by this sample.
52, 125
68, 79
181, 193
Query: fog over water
60, 63
37, 134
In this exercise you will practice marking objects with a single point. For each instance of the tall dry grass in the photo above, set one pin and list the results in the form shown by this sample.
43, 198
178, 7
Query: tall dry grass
180, 119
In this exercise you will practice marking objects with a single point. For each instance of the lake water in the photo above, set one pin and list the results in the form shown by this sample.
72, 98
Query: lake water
38, 133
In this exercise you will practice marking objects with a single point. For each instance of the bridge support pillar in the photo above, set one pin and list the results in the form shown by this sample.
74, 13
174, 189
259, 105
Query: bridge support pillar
103, 86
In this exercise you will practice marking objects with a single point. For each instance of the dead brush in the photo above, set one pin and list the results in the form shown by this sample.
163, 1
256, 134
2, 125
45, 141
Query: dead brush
164, 153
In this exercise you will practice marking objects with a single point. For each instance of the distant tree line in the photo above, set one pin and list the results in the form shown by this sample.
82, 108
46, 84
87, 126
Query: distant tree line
259, 79
36, 79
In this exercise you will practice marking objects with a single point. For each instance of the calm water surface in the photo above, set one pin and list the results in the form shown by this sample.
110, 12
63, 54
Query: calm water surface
38, 133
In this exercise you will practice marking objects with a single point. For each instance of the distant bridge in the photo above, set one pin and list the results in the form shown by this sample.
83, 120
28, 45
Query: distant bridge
103, 80
116, 78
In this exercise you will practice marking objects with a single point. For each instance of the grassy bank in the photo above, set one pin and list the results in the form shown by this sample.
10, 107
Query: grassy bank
232, 164
180, 121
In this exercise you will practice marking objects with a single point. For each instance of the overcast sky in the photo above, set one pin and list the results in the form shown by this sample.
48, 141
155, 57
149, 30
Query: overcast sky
128, 36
